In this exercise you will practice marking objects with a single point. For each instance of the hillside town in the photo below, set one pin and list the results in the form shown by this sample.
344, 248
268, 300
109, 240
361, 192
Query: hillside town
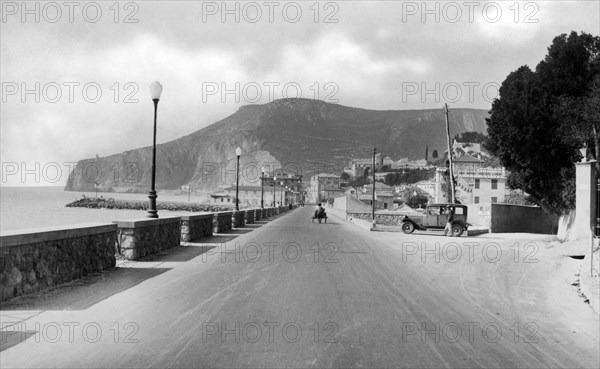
477, 182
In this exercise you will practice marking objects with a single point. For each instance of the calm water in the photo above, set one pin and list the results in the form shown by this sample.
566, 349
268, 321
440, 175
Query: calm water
33, 207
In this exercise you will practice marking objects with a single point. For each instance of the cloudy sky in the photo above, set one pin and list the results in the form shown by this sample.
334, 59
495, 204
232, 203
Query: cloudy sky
75, 75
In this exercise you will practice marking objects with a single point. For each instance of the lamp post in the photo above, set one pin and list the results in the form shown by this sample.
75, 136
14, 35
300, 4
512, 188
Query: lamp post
238, 153
274, 184
155, 91
262, 188
281, 195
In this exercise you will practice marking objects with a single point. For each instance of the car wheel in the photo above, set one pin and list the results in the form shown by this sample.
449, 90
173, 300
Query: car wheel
408, 227
457, 230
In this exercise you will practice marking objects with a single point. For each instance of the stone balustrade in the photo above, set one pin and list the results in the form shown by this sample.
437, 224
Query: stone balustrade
196, 226
138, 238
32, 260
222, 221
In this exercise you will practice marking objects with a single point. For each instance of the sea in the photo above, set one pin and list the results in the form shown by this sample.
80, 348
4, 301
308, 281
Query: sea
35, 207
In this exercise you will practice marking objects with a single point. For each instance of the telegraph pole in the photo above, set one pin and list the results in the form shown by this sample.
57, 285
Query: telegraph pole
451, 170
373, 197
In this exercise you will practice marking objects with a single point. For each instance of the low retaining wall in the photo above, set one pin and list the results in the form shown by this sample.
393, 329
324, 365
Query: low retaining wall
222, 221
196, 226
32, 260
249, 216
519, 218
380, 218
238, 218
258, 214
142, 237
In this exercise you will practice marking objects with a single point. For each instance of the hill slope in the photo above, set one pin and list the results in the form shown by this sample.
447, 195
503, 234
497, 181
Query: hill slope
307, 135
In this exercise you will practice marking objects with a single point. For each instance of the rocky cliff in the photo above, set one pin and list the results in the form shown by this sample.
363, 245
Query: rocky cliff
299, 134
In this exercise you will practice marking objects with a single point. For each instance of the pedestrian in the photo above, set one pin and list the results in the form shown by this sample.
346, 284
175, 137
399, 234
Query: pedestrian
449, 221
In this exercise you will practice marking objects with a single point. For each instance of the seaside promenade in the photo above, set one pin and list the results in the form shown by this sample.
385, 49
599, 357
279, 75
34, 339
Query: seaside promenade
286, 292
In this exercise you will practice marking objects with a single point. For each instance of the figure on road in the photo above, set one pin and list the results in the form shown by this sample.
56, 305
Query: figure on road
448, 229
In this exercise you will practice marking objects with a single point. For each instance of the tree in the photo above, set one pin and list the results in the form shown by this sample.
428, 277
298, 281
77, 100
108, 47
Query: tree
415, 197
539, 121
473, 137
345, 176
426, 153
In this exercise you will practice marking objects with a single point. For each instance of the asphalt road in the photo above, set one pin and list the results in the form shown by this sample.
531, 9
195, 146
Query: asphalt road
291, 293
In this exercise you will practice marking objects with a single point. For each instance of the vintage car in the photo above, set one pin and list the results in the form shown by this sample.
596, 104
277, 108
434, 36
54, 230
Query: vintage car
436, 217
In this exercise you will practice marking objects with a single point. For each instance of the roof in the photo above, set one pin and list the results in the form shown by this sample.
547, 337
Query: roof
248, 188
326, 175
467, 159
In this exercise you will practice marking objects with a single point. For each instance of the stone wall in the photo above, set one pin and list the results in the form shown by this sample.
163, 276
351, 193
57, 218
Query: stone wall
238, 218
249, 216
519, 218
258, 214
32, 260
196, 226
222, 221
142, 237
383, 218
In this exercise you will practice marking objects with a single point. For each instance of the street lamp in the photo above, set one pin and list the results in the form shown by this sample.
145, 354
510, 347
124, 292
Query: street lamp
238, 152
274, 184
262, 188
155, 91
281, 195
286, 194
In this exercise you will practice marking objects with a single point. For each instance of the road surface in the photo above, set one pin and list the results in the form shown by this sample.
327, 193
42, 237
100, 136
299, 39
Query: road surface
291, 293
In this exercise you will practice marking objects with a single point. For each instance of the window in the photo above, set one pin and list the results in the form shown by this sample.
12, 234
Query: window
385, 205
476, 184
434, 210
476, 200
494, 184
494, 200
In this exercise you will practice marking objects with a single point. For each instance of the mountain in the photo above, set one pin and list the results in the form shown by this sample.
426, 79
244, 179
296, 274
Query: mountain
301, 135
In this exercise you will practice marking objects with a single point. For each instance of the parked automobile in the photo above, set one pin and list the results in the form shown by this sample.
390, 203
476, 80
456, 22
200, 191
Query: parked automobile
436, 217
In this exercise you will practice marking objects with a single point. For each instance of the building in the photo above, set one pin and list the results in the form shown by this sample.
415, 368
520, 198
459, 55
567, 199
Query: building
357, 167
384, 195
249, 195
475, 183
465, 148
404, 163
427, 186
322, 185
288, 181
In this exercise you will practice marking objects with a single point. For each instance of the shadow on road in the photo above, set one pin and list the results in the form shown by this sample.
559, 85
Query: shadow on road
83, 293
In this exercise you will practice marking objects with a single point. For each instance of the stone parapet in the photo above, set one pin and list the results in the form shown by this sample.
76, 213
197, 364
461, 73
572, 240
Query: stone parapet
250, 215
35, 259
196, 226
138, 238
222, 221
238, 218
